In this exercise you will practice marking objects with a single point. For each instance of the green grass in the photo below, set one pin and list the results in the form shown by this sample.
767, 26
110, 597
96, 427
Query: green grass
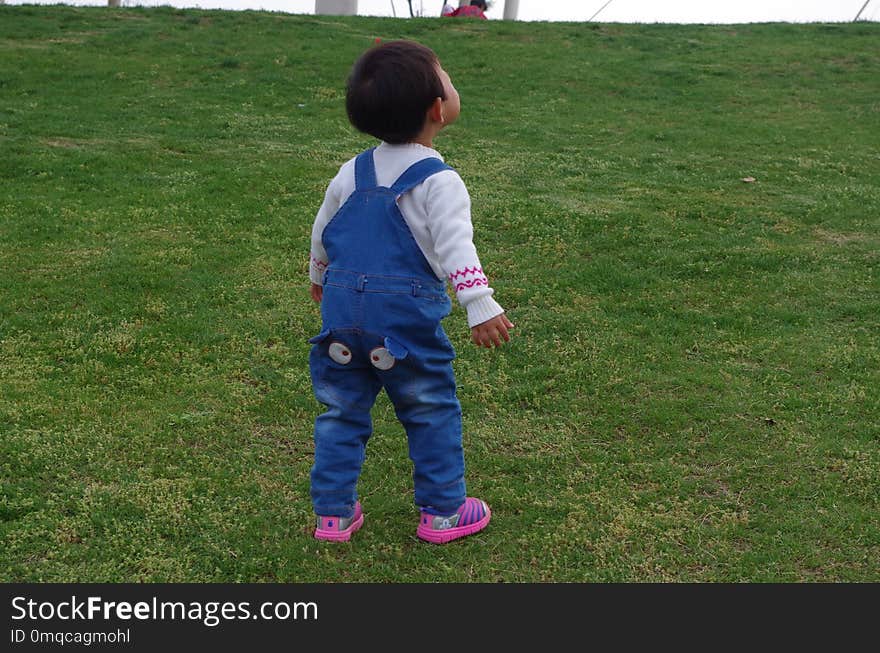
693, 393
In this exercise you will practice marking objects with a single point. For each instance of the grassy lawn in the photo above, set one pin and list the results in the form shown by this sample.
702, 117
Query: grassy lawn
693, 393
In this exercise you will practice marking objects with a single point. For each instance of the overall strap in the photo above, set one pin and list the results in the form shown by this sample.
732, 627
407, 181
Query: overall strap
365, 170
417, 173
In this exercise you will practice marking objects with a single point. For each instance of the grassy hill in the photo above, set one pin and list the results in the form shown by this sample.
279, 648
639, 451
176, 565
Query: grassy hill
693, 393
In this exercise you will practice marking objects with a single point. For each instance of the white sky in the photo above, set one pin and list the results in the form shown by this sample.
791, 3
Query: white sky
646, 11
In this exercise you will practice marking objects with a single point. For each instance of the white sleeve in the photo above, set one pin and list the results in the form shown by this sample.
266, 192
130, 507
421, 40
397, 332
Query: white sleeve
318, 259
449, 223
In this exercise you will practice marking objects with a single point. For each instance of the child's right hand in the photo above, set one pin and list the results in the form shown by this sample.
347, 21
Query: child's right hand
492, 331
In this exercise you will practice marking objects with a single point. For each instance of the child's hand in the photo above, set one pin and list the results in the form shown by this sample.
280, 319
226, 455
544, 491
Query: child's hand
317, 292
492, 331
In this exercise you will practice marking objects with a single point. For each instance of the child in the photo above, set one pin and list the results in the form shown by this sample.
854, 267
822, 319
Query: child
394, 224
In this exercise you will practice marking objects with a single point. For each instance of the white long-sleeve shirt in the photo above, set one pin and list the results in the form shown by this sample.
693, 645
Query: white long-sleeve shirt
437, 212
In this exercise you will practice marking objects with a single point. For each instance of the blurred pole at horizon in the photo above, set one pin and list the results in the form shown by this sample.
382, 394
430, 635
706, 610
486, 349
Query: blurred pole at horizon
336, 7
511, 9
590, 19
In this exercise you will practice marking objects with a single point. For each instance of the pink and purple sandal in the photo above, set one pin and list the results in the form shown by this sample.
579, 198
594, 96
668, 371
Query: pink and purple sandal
339, 529
471, 517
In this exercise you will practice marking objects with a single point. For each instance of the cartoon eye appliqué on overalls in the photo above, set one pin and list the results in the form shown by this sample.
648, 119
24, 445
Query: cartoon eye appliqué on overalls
381, 358
339, 353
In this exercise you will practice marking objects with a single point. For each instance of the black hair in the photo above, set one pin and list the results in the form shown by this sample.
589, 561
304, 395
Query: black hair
479, 3
390, 89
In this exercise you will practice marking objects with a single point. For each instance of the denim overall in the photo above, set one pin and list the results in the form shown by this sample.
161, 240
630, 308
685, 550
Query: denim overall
381, 314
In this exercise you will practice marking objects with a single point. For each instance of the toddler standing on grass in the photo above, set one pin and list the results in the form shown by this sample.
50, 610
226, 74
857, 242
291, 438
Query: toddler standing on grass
395, 224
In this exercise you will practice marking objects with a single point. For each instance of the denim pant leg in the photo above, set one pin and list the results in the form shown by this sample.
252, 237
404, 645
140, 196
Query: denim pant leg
341, 433
422, 389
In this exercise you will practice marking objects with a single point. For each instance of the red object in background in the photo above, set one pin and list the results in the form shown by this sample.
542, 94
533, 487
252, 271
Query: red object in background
469, 11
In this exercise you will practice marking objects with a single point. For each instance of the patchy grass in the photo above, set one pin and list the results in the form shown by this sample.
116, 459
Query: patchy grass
692, 394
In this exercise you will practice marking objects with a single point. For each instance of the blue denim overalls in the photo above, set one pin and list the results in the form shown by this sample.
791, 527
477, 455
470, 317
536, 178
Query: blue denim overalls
381, 315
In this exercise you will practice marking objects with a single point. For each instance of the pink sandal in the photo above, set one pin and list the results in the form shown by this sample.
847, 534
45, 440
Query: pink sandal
471, 517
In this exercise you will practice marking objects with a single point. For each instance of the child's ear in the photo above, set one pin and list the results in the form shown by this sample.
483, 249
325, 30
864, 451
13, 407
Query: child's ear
435, 113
